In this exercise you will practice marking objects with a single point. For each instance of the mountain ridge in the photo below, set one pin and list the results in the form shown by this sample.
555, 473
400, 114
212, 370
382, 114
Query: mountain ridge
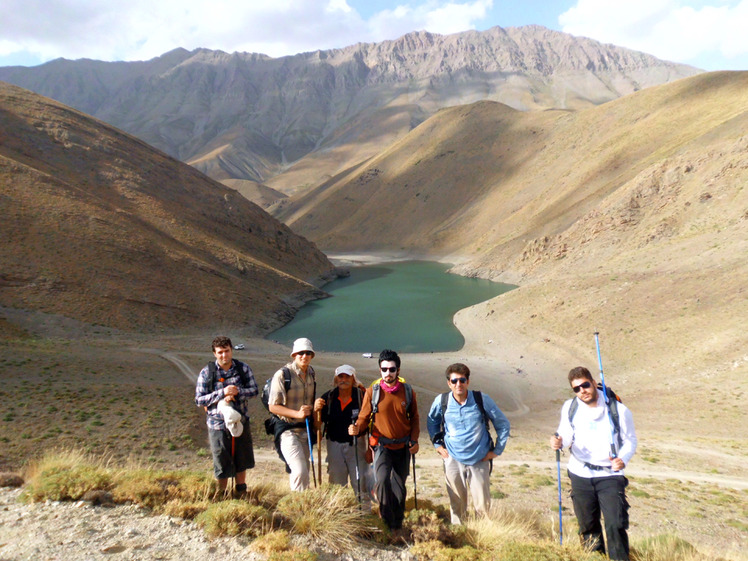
248, 116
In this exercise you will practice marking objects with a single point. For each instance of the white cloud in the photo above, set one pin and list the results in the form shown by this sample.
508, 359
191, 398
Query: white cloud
678, 30
437, 17
143, 29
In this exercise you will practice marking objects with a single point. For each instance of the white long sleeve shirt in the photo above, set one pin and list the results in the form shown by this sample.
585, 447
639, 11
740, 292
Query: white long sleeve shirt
590, 437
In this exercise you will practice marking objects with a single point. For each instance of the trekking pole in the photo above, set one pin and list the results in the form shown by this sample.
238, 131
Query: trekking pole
613, 453
311, 452
319, 445
354, 415
560, 521
415, 485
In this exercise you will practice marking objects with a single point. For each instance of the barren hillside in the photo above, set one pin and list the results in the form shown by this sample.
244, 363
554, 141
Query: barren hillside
99, 227
630, 217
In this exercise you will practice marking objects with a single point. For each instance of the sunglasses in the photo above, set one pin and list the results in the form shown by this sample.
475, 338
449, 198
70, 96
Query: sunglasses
584, 385
458, 380
389, 369
305, 353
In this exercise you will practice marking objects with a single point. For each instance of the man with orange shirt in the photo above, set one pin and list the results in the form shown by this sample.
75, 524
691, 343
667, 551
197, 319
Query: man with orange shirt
390, 407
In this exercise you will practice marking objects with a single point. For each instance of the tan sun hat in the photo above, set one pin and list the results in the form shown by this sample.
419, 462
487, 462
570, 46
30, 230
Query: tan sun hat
302, 344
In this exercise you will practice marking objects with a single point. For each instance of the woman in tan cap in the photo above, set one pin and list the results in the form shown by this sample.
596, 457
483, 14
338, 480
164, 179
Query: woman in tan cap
292, 403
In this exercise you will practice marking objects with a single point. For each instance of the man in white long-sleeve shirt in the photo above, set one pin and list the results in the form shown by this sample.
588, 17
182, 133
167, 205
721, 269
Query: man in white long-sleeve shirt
598, 485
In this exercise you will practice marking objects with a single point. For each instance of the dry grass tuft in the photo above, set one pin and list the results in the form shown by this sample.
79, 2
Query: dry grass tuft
65, 475
503, 525
665, 548
155, 489
426, 526
184, 509
275, 541
276, 546
330, 514
437, 551
235, 518
266, 494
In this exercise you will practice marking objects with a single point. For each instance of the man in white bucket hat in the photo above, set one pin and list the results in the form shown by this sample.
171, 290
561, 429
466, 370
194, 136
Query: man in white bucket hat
339, 409
291, 399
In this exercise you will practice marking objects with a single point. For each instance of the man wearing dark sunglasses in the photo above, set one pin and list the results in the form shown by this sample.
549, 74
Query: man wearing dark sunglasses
598, 485
460, 433
393, 419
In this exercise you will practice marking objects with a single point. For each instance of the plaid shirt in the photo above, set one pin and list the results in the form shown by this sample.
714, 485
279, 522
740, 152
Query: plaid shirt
209, 397
300, 393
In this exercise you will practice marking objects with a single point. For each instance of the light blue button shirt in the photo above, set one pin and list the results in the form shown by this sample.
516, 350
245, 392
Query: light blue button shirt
465, 436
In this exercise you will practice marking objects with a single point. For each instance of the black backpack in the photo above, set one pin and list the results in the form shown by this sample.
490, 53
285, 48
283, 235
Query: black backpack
612, 400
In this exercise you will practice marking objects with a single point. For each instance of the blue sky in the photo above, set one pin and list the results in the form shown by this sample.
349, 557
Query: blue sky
708, 34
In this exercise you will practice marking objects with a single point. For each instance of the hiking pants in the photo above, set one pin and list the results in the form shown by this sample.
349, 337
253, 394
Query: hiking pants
341, 467
607, 496
295, 448
390, 473
459, 478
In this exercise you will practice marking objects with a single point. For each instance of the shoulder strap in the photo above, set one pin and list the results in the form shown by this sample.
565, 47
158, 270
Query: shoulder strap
286, 378
479, 402
573, 411
331, 396
376, 391
243, 375
212, 375
408, 398
444, 400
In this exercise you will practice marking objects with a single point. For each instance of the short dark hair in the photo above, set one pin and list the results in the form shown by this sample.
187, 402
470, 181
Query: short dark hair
390, 355
579, 372
221, 341
458, 368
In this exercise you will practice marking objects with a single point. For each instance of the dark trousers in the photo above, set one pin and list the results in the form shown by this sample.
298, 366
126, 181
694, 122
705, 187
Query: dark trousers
231, 455
390, 473
606, 496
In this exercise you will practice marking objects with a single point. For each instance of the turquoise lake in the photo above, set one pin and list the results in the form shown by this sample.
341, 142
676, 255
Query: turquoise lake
405, 306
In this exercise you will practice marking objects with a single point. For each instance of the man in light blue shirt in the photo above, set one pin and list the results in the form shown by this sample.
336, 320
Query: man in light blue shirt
458, 427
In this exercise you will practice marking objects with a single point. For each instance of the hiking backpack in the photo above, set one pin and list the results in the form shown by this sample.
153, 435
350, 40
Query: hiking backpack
612, 402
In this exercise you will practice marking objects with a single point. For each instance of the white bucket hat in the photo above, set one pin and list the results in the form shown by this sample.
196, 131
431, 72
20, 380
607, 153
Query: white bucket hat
346, 369
302, 344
